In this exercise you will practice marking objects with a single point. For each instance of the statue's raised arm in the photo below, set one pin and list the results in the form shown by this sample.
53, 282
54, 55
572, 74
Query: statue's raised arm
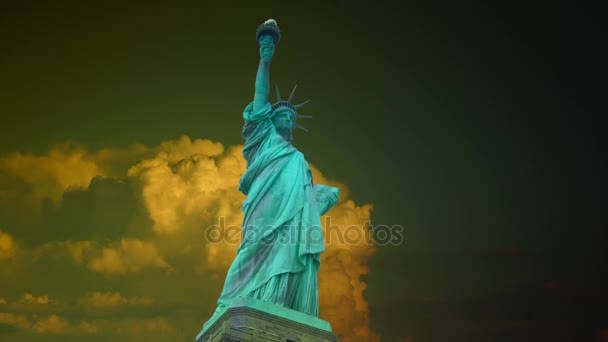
281, 240
267, 35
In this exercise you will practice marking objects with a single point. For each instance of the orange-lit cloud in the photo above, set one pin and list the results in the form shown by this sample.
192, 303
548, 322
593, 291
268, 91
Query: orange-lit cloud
130, 255
348, 249
66, 165
31, 299
87, 328
189, 182
8, 247
50, 325
55, 324
203, 186
15, 320
78, 251
184, 186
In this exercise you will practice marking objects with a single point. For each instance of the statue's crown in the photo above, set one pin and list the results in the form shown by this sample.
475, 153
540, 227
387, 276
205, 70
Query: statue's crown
294, 108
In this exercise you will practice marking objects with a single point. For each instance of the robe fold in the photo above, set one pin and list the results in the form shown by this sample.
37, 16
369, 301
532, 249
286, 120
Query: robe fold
278, 258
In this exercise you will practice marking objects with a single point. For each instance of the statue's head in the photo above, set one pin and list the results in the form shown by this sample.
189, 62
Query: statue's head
284, 119
285, 114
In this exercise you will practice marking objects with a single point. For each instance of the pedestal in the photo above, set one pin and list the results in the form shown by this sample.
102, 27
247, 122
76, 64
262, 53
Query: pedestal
248, 319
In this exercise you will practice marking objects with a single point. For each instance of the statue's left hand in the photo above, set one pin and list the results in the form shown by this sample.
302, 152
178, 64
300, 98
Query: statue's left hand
266, 48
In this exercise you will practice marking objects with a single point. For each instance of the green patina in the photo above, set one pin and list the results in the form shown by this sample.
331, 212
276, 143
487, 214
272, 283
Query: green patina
279, 255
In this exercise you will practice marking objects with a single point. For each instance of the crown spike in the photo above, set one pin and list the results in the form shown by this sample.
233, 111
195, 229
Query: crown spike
301, 127
298, 106
278, 93
292, 92
303, 116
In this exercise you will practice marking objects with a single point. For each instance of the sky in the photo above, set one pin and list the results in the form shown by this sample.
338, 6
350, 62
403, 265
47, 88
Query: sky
468, 127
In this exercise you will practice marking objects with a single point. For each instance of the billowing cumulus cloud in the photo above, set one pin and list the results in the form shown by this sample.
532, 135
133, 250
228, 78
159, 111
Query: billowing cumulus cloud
348, 248
111, 258
66, 165
129, 255
143, 214
181, 189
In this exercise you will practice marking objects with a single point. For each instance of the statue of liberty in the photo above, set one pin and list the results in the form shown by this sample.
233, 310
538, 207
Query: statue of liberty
278, 258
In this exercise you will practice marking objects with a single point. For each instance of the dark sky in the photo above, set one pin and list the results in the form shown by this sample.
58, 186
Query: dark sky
473, 126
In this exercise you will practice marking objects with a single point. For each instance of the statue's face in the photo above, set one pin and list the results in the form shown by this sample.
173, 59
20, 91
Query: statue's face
283, 119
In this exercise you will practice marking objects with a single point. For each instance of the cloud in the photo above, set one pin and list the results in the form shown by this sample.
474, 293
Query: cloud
121, 257
8, 247
34, 189
35, 305
78, 251
184, 148
87, 328
112, 299
179, 194
199, 189
114, 162
66, 165
18, 321
55, 324
104, 210
348, 249
130, 255
50, 325
124, 212
31, 299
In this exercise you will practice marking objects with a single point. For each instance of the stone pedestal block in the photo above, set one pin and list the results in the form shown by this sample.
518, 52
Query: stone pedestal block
248, 319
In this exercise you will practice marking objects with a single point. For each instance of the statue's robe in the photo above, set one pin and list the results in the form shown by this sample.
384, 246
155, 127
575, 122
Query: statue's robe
278, 258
